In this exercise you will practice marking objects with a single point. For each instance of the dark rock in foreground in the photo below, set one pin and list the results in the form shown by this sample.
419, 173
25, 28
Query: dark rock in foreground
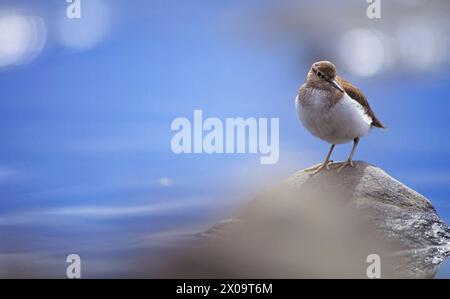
325, 226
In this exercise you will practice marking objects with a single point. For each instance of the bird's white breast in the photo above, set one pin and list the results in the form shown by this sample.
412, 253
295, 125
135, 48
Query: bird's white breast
336, 124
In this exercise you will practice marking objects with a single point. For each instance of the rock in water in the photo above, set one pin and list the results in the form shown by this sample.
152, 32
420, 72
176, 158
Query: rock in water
326, 226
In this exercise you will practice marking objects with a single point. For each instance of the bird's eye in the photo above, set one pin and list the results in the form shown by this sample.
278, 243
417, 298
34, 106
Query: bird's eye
319, 74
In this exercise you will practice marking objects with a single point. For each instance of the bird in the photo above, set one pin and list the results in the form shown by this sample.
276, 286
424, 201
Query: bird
334, 110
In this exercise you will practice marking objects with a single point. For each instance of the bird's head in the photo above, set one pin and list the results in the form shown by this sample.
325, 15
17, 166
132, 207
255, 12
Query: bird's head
324, 73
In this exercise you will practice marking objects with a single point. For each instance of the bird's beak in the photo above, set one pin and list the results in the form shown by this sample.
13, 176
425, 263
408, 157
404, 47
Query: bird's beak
335, 84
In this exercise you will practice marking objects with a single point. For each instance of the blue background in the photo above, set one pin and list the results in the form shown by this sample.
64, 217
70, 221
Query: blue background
85, 160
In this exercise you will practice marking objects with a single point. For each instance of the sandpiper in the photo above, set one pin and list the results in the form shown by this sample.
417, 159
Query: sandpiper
333, 110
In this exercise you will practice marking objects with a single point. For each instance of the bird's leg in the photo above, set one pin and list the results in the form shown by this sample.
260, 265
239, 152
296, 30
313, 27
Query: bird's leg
325, 164
349, 161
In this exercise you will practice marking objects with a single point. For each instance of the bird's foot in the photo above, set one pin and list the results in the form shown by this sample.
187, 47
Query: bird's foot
342, 165
316, 169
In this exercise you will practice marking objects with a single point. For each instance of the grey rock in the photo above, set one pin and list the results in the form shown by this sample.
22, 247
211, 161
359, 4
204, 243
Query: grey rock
325, 226
398, 213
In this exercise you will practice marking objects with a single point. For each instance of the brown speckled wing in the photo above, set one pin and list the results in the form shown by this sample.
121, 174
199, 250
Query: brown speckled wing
358, 96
